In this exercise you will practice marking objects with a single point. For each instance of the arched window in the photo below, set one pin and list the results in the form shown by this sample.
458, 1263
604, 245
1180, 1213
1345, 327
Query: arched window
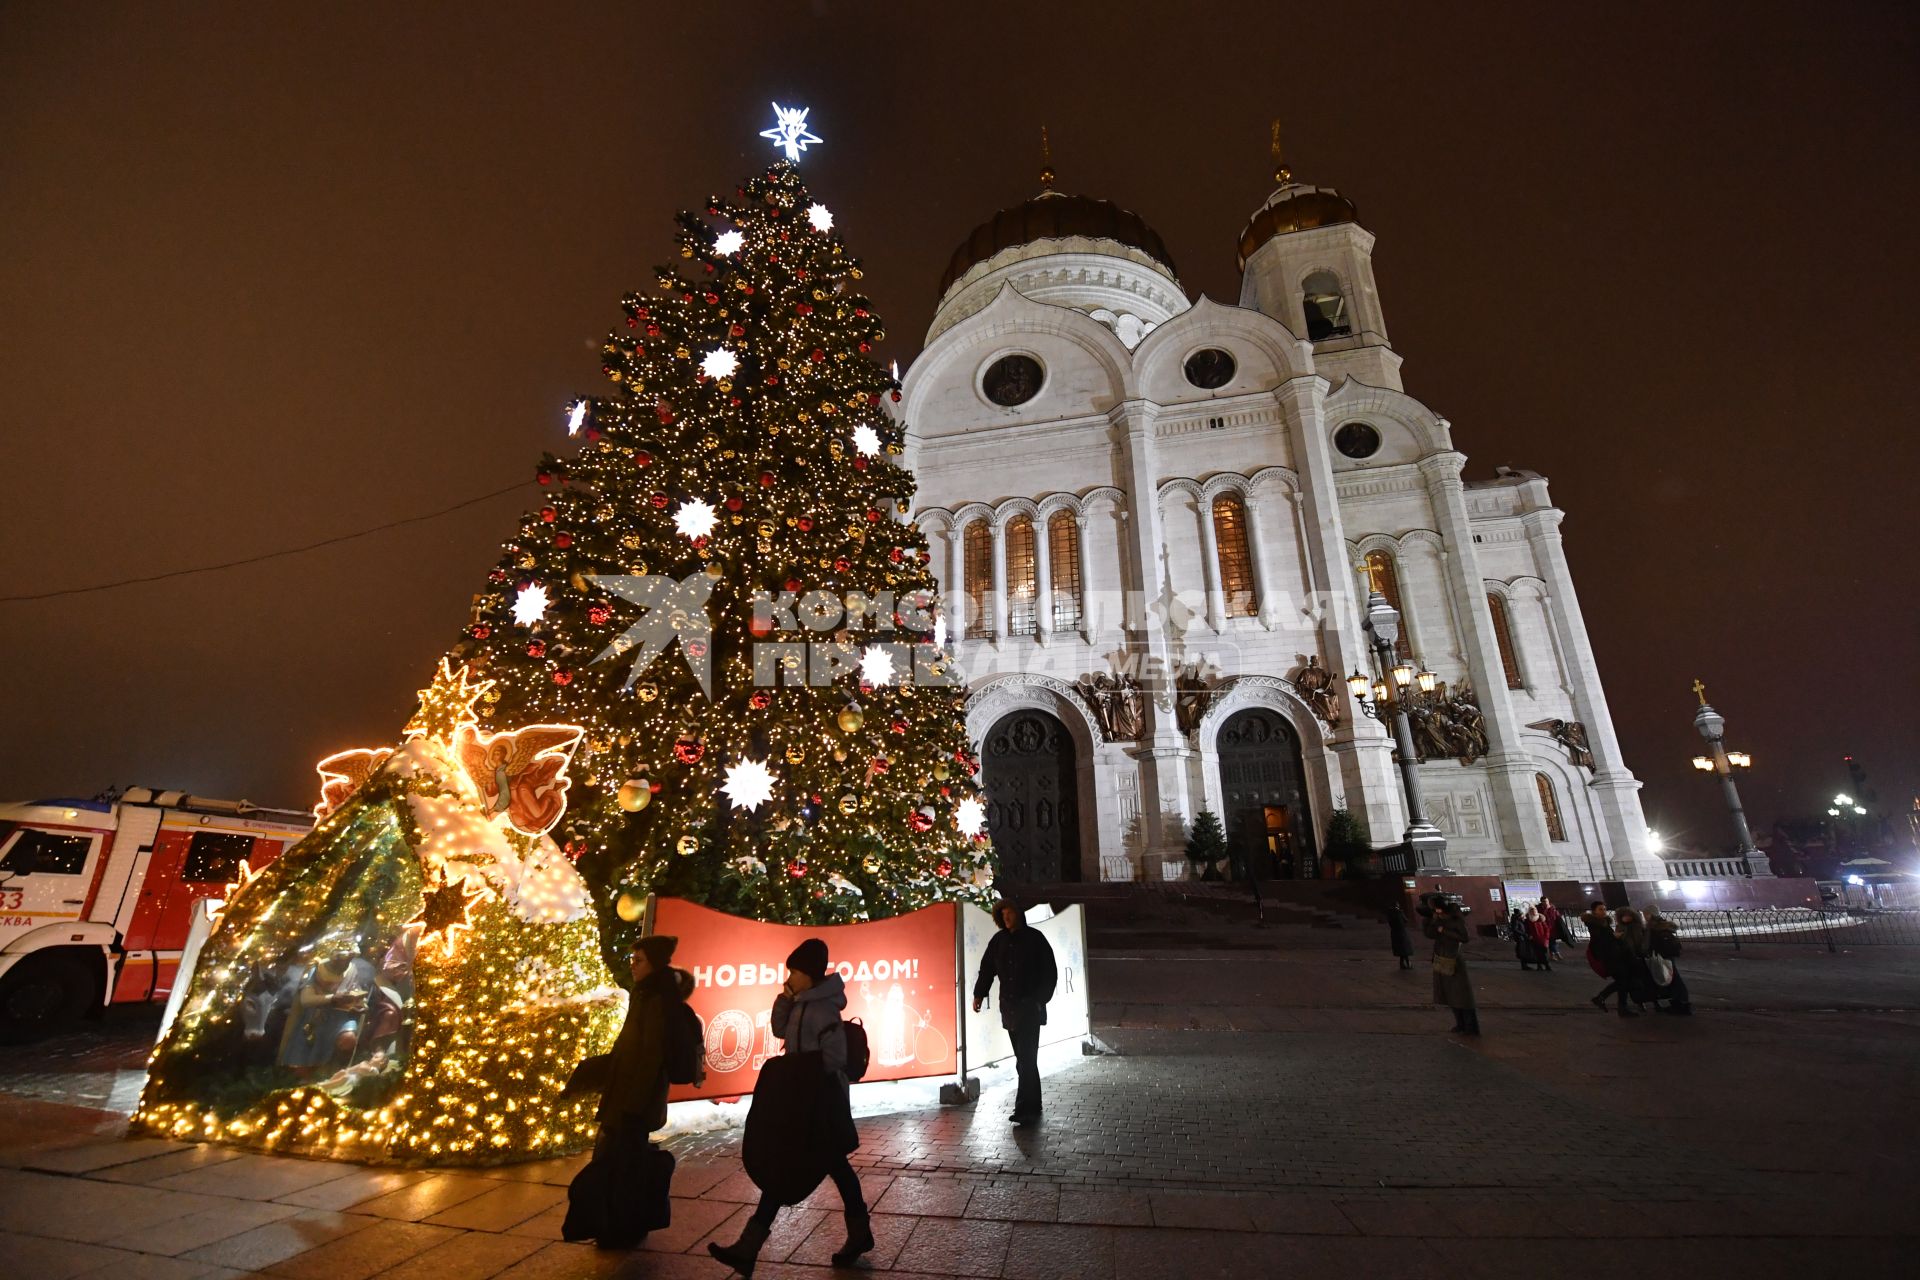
1503, 632
1325, 306
1023, 585
1385, 580
1063, 563
976, 550
1236, 562
1550, 808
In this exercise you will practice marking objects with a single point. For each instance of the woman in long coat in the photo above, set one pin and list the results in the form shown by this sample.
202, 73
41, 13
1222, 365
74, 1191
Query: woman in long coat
1452, 985
1397, 935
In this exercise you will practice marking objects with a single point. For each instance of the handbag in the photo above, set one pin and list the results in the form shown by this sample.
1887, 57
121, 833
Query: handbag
1662, 970
1446, 966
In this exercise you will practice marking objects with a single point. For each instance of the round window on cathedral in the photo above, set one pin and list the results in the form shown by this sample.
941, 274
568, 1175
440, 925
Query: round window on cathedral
1210, 368
1012, 380
1357, 440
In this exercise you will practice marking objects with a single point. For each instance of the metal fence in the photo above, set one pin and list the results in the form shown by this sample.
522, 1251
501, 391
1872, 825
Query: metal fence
1852, 926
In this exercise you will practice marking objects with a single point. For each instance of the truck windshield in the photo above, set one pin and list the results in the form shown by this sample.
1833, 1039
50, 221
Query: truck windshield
46, 853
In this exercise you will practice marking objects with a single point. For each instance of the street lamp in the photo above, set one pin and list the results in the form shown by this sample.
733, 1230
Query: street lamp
1712, 725
1426, 847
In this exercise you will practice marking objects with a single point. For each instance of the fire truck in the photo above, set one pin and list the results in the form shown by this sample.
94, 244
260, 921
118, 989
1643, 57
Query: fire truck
97, 896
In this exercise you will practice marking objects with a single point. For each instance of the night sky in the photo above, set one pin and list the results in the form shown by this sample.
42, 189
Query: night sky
270, 274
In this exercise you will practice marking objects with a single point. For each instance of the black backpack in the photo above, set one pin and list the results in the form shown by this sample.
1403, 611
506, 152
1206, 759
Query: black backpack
686, 1046
858, 1055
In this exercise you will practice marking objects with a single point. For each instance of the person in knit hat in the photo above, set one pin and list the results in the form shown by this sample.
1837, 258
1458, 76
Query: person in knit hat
806, 1015
634, 1102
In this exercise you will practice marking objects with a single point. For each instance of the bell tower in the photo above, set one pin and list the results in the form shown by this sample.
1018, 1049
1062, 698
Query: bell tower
1306, 261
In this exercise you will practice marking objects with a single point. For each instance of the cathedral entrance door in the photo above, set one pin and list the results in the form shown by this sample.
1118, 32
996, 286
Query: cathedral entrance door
1027, 769
1263, 788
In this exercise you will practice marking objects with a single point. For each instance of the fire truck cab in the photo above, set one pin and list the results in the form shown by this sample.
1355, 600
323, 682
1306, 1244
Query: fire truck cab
97, 896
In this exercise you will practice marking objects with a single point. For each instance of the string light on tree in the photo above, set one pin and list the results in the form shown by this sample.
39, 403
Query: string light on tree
789, 132
530, 605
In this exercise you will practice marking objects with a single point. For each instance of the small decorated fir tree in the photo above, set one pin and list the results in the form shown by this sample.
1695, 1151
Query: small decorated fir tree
1206, 844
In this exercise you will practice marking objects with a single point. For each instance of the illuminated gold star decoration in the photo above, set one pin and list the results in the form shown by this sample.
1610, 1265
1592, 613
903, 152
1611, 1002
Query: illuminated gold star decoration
446, 704
447, 911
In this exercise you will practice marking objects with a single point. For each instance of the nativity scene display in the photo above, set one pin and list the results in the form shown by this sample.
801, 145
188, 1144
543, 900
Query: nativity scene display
416, 978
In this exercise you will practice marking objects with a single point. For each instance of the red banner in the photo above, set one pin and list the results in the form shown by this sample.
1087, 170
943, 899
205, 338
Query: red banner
900, 979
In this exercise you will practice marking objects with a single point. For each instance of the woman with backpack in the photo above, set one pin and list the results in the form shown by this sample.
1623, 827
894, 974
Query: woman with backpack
806, 1015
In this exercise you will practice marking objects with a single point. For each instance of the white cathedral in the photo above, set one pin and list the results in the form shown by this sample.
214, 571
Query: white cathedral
1161, 520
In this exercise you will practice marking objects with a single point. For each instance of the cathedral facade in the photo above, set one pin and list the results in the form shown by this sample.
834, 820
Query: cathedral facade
1158, 523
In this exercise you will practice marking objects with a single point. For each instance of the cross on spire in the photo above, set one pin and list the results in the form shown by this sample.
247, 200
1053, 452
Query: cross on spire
1700, 691
1281, 174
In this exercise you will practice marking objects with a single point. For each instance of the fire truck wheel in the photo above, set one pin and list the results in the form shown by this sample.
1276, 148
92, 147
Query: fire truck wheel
43, 993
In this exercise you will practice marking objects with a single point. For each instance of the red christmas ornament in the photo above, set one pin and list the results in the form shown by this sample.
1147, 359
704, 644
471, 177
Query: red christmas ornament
643, 459
861, 312
498, 575
791, 584
712, 298
482, 631
653, 331
599, 615
873, 516
859, 464
642, 312
563, 677
633, 322
920, 821
866, 346
695, 648
894, 555
544, 477
797, 869
804, 308
664, 412
898, 726
896, 397
766, 479
563, 540
760, 627
736, 331
689, 750
735, 503
842, 565
944, 867
548, 514
805, 523
536, 648
817, 356
659, 501
760, 700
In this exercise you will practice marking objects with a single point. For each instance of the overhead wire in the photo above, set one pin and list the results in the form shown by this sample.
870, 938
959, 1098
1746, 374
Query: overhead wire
264, 556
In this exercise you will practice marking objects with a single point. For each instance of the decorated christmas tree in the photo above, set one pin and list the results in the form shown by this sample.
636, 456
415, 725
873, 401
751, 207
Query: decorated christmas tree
417, 978
722, 587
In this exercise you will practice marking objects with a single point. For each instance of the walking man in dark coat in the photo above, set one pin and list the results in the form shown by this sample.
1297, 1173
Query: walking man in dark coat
1023, 961
1402, 945
634, 1102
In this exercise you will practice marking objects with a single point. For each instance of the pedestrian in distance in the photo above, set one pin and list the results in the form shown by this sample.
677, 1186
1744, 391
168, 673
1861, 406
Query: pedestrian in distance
1022, 959
622, 1193
1632, 949
1602, 947
806, 1017
1516, 930
1556, 927
1663, 937
1397, 935
1452, 985
1539, 939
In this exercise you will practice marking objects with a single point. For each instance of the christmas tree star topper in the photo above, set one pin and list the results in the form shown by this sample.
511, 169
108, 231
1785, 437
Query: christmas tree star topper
789, 132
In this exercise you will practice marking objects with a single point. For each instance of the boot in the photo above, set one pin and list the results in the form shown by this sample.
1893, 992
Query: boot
1473, 1022
859, 1239
744, 1252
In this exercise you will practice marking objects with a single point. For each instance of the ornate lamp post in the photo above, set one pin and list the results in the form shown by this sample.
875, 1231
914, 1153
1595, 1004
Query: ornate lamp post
1426, 847
1723, 762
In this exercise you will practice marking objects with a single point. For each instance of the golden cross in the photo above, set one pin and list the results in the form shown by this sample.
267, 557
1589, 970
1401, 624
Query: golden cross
1281, 173
1700, 690
1046, 160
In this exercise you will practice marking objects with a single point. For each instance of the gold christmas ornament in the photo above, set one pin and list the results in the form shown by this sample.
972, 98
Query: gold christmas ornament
688, 845
634, 795
850, 719
630, 906
849, 802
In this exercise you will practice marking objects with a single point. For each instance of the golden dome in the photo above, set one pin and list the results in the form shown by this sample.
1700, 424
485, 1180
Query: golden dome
1052, 216
1295, 207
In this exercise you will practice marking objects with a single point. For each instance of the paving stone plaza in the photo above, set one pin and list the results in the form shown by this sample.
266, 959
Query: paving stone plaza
1296, 1110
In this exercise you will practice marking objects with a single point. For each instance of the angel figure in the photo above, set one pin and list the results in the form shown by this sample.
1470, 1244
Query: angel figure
521, 773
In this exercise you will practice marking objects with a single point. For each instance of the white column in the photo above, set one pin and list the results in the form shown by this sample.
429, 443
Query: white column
999, 580
1516, 800
1360, 756
1210, 566
1042, 581
1257, 548
1086, 568
1616, 790
956, 603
